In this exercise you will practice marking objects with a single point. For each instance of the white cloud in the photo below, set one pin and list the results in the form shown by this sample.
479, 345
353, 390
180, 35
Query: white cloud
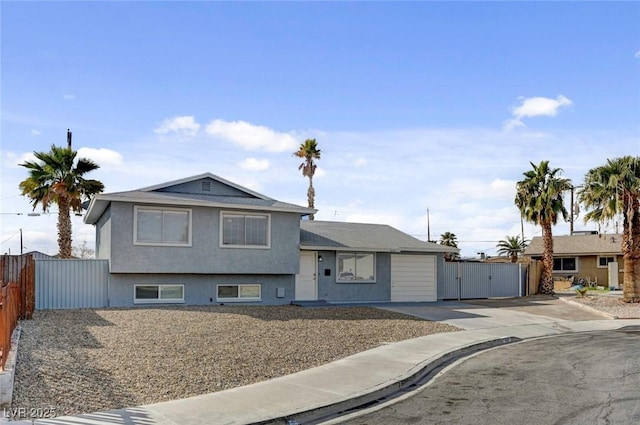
254, 164
101, 156
252, 137
185, 125
535, 107
36, 132
471, 189
68, 96
12, 160
637, 54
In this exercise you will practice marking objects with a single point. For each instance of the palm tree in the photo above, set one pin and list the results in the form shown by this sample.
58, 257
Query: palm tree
55, 180
449, 239
539, 198
512, 246
309, 151
611, 189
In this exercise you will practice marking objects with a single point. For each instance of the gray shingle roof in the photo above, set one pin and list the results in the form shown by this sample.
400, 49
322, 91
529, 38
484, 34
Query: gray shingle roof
579, 245
371, 237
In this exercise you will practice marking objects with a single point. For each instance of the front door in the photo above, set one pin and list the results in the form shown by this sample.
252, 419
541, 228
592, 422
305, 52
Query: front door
306, 280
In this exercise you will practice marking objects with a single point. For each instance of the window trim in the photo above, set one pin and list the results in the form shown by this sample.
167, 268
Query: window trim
245, 214
158, 300
238, 299
615, 260
137, 208
575, 270
375, 266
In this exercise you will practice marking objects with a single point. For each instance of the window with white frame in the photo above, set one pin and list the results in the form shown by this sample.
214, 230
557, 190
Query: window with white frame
603, 261
162, 226
245, 230
565, 264
356, 267
240, 292
154, 294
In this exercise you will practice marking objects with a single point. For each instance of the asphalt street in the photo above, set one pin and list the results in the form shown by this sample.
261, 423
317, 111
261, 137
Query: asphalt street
586, 378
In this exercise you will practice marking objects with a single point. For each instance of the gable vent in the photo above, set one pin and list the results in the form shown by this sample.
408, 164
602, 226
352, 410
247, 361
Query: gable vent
206, 186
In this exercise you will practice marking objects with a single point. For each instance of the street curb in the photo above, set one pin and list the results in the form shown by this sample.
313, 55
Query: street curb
426, 371
588, 308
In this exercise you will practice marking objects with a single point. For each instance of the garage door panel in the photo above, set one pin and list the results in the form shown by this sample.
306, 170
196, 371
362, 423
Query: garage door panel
413, 278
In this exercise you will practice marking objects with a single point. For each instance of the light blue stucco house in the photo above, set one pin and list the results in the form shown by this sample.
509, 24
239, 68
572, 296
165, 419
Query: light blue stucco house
204, 240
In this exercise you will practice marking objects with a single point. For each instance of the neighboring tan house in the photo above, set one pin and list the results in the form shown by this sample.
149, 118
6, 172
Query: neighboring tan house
585, 256
205, 240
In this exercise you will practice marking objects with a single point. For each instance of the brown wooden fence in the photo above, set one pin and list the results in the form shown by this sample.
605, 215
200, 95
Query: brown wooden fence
21, 269
9, 309
17, 296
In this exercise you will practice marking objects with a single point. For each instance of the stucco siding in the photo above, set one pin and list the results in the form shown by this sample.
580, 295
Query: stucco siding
332, 291
205, 254
103, 236
200, 289
588, 267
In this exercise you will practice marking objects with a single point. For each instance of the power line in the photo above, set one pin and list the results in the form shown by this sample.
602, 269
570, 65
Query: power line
10, 237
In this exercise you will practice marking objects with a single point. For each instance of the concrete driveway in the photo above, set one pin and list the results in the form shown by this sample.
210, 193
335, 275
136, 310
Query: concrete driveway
485, 314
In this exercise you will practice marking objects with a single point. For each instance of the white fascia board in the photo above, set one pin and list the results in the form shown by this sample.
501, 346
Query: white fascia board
341, 248
196, 203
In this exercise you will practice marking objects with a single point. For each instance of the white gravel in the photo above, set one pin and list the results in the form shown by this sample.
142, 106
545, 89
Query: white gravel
81, 361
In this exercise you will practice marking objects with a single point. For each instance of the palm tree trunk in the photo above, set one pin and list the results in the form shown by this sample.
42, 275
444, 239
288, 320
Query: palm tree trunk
546, 279
631, 253
64, 228
311, 194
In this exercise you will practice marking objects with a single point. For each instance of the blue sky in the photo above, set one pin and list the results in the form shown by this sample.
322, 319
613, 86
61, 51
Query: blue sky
415, 105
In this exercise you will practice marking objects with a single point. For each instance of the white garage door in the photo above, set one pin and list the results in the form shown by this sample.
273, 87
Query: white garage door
413, 278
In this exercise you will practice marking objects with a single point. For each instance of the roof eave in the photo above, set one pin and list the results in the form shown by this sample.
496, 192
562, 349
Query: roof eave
370, 249
92, 216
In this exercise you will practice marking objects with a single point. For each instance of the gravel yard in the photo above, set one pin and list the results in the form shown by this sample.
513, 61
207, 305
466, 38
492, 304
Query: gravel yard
611, 305
81, 361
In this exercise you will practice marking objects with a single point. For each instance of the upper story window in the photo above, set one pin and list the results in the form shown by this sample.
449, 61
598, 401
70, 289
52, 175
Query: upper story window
565, 264
239, 229
356, 267
162, 226
603, 262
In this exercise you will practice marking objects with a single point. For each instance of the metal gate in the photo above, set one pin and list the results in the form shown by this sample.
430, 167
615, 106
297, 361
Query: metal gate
463, 281
62, 284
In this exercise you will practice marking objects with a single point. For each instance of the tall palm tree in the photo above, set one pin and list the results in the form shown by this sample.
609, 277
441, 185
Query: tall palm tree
309, 152
539, 198
449, 239
611, 189
512, 246
54, 179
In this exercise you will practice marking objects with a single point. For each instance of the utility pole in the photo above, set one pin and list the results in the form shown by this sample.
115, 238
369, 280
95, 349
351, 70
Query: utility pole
21, 242
428, 227
69, 138
574, 210
571, 213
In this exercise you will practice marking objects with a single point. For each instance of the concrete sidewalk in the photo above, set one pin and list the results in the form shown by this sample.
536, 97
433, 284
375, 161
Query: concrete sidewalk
346, 383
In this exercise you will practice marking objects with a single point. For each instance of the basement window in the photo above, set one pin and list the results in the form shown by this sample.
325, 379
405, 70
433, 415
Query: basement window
158, 294
239, 293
